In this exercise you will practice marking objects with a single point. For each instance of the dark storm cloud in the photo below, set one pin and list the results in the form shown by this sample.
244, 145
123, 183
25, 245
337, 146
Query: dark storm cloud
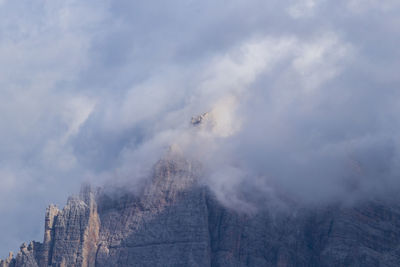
303, 96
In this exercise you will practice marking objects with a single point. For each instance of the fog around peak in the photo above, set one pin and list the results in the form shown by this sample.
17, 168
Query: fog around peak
302, 94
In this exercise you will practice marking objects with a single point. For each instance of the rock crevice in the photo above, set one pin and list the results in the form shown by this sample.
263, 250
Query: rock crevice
176, 221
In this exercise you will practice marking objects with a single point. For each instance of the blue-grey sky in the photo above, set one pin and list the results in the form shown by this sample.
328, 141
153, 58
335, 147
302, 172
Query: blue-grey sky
304, 97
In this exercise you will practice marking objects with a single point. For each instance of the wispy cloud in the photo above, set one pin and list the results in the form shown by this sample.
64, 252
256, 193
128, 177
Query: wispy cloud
302, 94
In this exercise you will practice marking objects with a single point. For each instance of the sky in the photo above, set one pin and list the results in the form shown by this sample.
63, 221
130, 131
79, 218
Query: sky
303, 99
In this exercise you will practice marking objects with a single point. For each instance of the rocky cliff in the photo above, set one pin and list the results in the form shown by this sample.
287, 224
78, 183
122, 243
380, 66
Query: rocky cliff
176, 221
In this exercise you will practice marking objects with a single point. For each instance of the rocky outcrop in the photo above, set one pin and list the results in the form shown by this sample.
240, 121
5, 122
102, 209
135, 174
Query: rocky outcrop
176, 221
70, 237
9, 262
196, 120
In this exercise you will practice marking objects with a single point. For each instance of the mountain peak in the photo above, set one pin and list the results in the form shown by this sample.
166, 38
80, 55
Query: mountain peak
197, 120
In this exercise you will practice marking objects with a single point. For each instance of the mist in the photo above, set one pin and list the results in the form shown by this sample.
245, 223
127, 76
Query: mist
303, 99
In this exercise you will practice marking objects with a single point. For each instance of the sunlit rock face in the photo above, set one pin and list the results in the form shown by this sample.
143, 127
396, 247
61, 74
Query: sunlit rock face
197, 120
222, 120
176, 221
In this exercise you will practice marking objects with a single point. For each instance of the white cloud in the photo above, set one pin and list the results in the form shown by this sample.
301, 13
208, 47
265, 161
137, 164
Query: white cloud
103, 88
76, 112
361, 6
321, 60
302, 8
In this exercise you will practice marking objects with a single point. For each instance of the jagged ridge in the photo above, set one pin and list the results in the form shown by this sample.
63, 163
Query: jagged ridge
178, 222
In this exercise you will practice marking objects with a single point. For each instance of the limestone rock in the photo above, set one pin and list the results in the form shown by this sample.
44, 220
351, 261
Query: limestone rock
26, 257
9, 262
196, 120
176, 221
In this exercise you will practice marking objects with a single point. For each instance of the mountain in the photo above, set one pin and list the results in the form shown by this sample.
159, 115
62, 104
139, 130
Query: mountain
177, 221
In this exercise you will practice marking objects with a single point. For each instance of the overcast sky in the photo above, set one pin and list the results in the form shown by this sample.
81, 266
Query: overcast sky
304, 97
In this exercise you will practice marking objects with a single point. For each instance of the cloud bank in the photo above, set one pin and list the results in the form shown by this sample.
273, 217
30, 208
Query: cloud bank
303, 94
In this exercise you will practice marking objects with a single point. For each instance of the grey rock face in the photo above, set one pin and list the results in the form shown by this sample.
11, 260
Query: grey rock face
176, 221
9, 262
199, 119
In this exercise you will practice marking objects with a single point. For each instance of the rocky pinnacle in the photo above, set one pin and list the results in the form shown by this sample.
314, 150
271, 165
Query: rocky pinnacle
177, 221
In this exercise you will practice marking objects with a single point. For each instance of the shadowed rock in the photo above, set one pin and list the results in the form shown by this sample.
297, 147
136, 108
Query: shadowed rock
175, 221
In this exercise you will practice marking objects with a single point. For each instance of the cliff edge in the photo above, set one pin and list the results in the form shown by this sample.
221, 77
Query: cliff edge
176, 221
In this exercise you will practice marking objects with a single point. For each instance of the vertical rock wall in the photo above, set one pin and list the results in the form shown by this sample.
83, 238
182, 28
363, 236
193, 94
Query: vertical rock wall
177, 222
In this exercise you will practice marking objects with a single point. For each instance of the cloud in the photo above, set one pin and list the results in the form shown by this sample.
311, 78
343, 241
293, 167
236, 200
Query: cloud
302, 8
302, 99
358, 6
